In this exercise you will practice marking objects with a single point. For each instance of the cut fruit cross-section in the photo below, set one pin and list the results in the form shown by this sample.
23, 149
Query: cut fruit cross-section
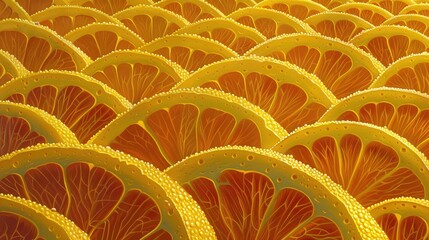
331, 3
11, 9
110, 7
393, 6
10, 67
32, 7
369, 12
229, 6
422, 9
191, 10
300, 9
414, 21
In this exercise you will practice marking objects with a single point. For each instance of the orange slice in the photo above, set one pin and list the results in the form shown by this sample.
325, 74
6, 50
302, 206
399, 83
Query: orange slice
191, 10
23, 219
109, 7
189, 51
290, 95
11, 9
39, 48
269, 22
81, 103
374, 14
404, 112
372, 163
343, 26
136, 75
331, 3
421, 8
230, 6
403, 218
151, 22
250, 193
393, 6
300, 9
343, 68
10, 67
389, 43
63, 19
31, 7
236, 36
409, 72
107, 194
22, 126
414, 21
168, 127
98, 39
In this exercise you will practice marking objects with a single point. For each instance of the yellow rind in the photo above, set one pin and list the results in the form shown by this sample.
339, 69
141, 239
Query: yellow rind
415, 7
408, 2
151, 10
11, 64
403, 206
43, 123
50, 224
22, 14
130, 2
363, 5
174, 203
408, 17
329, 199
309, 4
201, 3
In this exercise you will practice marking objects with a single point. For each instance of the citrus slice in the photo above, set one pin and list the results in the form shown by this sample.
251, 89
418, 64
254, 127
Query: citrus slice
421, 8
189, 51
98, 39
414, 21
150, 22
230, 6
136, 75
393, 6
39, 48
343, 26
403, 218
22, 126
31, 7
10, 67
342, 67
331, 3
236, 36
63, 19
23, 219
107, 194
289, 94
410, 72
81, 103
11, 9
372, 163
191, 10
300, 9
404, 112
109, 7
269, 22
374, 14
170, 126
250, 193
389, 43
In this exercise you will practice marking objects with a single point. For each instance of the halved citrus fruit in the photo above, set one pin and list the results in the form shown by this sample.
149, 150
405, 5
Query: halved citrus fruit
39, 48
234, 35
374, 14
136, 75
10, 67
421, 8
372, 163
98, 39
403, 218
230, 6
414, 21
109, 6
22, 126
170, 126
189, 51
290, 95
31, 7
300, 9
343, 68
11, 9
269, 22
151, 22
389, 43
331, 3
343, 26
109, 195
404, 112
65, 18
250, 193
393, 6
410, 72
24, 219
191, 10
81, 103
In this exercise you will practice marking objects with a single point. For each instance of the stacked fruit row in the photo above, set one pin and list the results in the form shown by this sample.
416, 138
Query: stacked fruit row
216, 119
